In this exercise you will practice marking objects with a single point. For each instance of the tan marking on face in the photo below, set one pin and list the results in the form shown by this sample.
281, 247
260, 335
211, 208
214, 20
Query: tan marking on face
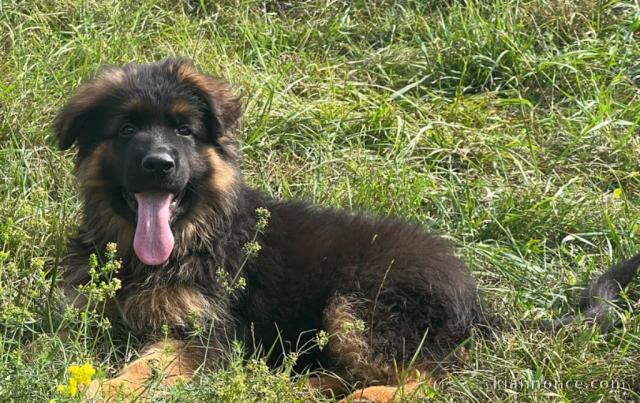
121, 230
222, 188
89, 170
180, 107
224, 176
105, 223
134, 104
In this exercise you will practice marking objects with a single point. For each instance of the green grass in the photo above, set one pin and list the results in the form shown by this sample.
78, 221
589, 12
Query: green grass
506, 125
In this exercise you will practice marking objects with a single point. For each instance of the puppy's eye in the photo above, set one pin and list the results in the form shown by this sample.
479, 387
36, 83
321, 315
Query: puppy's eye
127, 130
183, 130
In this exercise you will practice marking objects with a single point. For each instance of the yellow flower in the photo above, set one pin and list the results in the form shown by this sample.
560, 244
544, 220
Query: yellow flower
617, 193
79, 375
82, 374
72, 388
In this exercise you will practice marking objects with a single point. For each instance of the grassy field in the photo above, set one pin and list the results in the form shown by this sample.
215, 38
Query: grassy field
510, 126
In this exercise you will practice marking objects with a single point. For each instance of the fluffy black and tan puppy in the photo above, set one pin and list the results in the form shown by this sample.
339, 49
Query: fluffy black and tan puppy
157, 164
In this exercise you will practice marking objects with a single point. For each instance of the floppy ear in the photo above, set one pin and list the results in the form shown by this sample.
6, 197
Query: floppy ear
224, 104
70, 122
77, 116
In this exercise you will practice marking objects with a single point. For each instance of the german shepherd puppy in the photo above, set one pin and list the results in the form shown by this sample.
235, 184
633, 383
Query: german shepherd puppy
157, 164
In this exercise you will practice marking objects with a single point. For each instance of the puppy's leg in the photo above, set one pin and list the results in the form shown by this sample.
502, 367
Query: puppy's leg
390, 393
361, 358
168, 361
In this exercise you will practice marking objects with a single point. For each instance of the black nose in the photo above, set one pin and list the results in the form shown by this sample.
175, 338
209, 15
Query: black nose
158, 163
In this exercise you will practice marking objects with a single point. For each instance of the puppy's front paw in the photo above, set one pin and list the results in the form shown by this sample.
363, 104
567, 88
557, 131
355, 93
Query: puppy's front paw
113, 390
375, 394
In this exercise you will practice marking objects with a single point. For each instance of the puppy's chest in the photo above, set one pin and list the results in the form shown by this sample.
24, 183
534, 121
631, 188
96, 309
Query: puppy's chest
147, 310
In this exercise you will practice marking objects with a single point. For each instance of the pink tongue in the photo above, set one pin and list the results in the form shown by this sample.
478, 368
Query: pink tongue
153, 241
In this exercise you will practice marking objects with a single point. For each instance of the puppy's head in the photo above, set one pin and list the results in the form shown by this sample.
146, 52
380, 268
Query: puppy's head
154, 141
